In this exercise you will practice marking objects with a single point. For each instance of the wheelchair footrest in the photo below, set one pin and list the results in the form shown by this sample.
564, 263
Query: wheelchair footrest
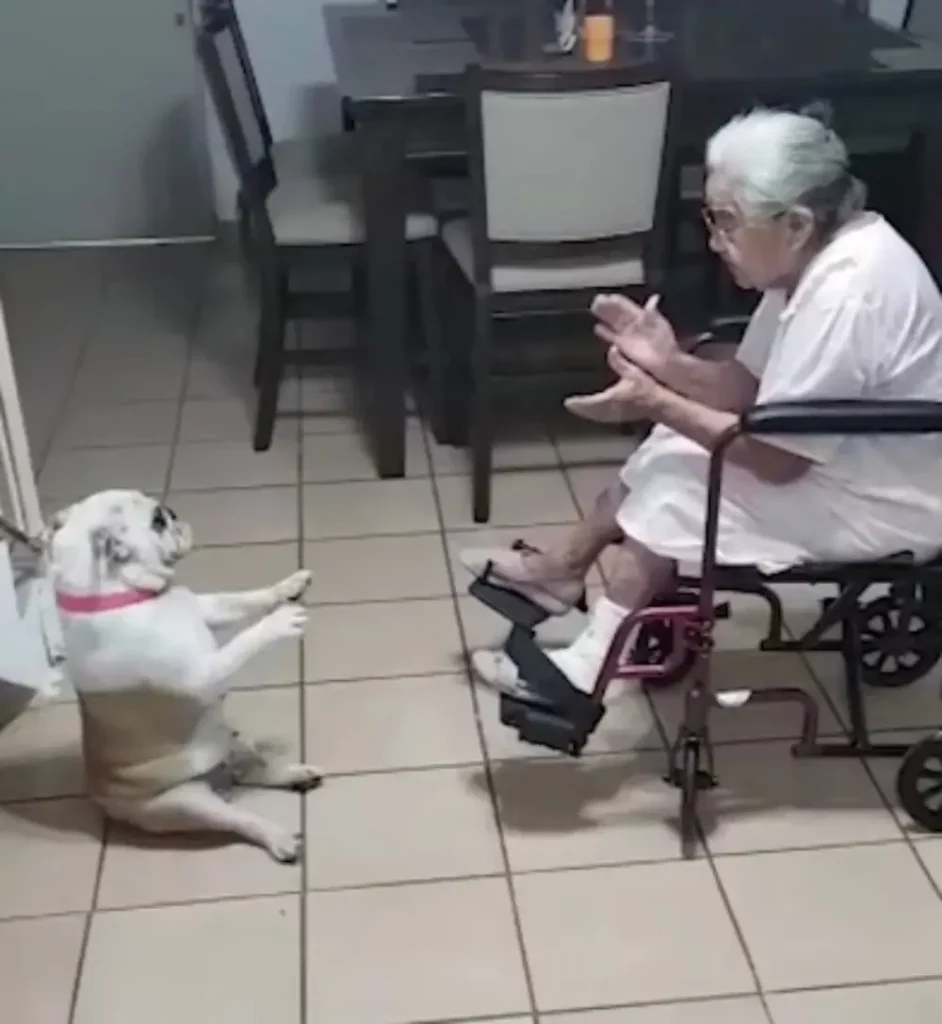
519, 610
543, 725
550, 711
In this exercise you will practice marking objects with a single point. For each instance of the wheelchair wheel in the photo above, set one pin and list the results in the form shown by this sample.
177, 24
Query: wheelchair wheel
655, 644
897, 640
690, 787
919, 783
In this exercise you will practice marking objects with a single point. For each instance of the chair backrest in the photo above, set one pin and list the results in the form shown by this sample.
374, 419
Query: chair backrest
574, 155
231, 91
255, 93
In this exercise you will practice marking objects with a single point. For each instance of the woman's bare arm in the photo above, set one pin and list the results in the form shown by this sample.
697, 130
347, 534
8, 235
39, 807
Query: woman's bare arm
725, 384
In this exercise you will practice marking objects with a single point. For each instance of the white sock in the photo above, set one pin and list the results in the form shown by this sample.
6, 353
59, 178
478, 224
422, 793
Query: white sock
582, 660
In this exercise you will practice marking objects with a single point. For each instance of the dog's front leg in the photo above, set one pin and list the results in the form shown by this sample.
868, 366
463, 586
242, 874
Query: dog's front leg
286, 622
220, 610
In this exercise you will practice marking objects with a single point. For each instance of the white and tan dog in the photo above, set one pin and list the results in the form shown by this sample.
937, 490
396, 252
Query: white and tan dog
151, 676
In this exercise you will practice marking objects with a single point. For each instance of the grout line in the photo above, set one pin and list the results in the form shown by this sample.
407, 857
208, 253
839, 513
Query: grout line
89, 919
197, 316
94, 319
303, 921
301, 889
488, 772
737, 927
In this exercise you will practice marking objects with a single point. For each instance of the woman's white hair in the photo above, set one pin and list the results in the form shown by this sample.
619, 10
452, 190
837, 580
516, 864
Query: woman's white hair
777, 160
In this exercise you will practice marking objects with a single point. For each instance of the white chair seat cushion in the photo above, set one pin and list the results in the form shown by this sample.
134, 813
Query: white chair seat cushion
311, 209
614, 269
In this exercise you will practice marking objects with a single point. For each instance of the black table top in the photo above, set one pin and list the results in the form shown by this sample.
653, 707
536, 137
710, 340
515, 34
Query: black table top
420, 50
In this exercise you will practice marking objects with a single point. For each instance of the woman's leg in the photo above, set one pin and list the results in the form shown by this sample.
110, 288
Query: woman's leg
636, 577
554, 578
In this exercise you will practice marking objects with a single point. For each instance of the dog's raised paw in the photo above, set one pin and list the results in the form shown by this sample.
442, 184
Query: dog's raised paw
292, 587
286, 847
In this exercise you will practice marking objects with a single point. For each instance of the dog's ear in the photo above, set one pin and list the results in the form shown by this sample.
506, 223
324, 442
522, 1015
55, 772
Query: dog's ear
108, 544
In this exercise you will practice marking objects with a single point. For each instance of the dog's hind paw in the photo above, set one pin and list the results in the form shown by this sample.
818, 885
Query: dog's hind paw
292, 587
285, 847
303, 777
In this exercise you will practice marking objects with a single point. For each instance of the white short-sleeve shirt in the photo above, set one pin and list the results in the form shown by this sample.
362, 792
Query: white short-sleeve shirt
864, 322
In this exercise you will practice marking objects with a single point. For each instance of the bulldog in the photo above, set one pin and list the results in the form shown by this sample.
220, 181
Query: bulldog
151, 675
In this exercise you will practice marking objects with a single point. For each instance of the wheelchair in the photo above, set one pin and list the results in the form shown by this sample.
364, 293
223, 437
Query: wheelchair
887, 641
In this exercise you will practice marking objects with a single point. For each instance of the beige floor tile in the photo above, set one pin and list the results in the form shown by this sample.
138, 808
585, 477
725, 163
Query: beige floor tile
220, 373
402, 827
246, 516
628, 725
214, 465
246, 567
235, 961
518, 498
499, 537
930, 853
136, 423
323, 393
381, 724
822, 917
49, 852
917, 1002
277, 666
588, 482
527, 453
755, 670
38, 965
330, 458
41, 754
643, 933
909, 707
226, 419
746, 1010
388, 638
377, 569
397, 954
143, 870
597, 810
88, 470
127, 380
769, 800
369, 508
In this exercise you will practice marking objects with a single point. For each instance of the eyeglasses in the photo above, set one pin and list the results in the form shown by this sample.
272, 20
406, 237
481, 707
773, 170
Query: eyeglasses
720, 222
724, 222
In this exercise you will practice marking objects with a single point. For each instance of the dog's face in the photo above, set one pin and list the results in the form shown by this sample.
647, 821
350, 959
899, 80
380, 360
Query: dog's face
122, 535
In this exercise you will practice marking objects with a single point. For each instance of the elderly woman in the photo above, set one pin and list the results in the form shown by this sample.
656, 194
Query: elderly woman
848, 311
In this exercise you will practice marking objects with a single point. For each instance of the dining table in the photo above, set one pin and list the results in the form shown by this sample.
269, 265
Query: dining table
400, 72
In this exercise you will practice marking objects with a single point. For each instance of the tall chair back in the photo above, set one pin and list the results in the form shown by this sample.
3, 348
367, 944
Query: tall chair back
575, 156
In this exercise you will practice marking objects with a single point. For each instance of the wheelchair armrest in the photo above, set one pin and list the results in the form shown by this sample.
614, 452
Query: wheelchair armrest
843, 416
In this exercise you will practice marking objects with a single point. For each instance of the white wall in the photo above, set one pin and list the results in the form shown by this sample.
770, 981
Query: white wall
891, 12
288, 45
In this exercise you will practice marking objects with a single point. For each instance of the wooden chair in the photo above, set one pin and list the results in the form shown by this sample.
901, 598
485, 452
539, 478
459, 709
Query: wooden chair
288, 216
571, 182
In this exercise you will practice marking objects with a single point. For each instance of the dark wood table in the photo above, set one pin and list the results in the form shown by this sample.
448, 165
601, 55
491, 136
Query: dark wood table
400, 71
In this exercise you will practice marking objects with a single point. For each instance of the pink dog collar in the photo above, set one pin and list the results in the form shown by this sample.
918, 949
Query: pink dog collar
88, 604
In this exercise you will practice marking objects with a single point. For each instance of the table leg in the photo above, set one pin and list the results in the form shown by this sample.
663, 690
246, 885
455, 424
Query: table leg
385, 196
930, 200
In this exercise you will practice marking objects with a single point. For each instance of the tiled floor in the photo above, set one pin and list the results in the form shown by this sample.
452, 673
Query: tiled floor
451, 874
